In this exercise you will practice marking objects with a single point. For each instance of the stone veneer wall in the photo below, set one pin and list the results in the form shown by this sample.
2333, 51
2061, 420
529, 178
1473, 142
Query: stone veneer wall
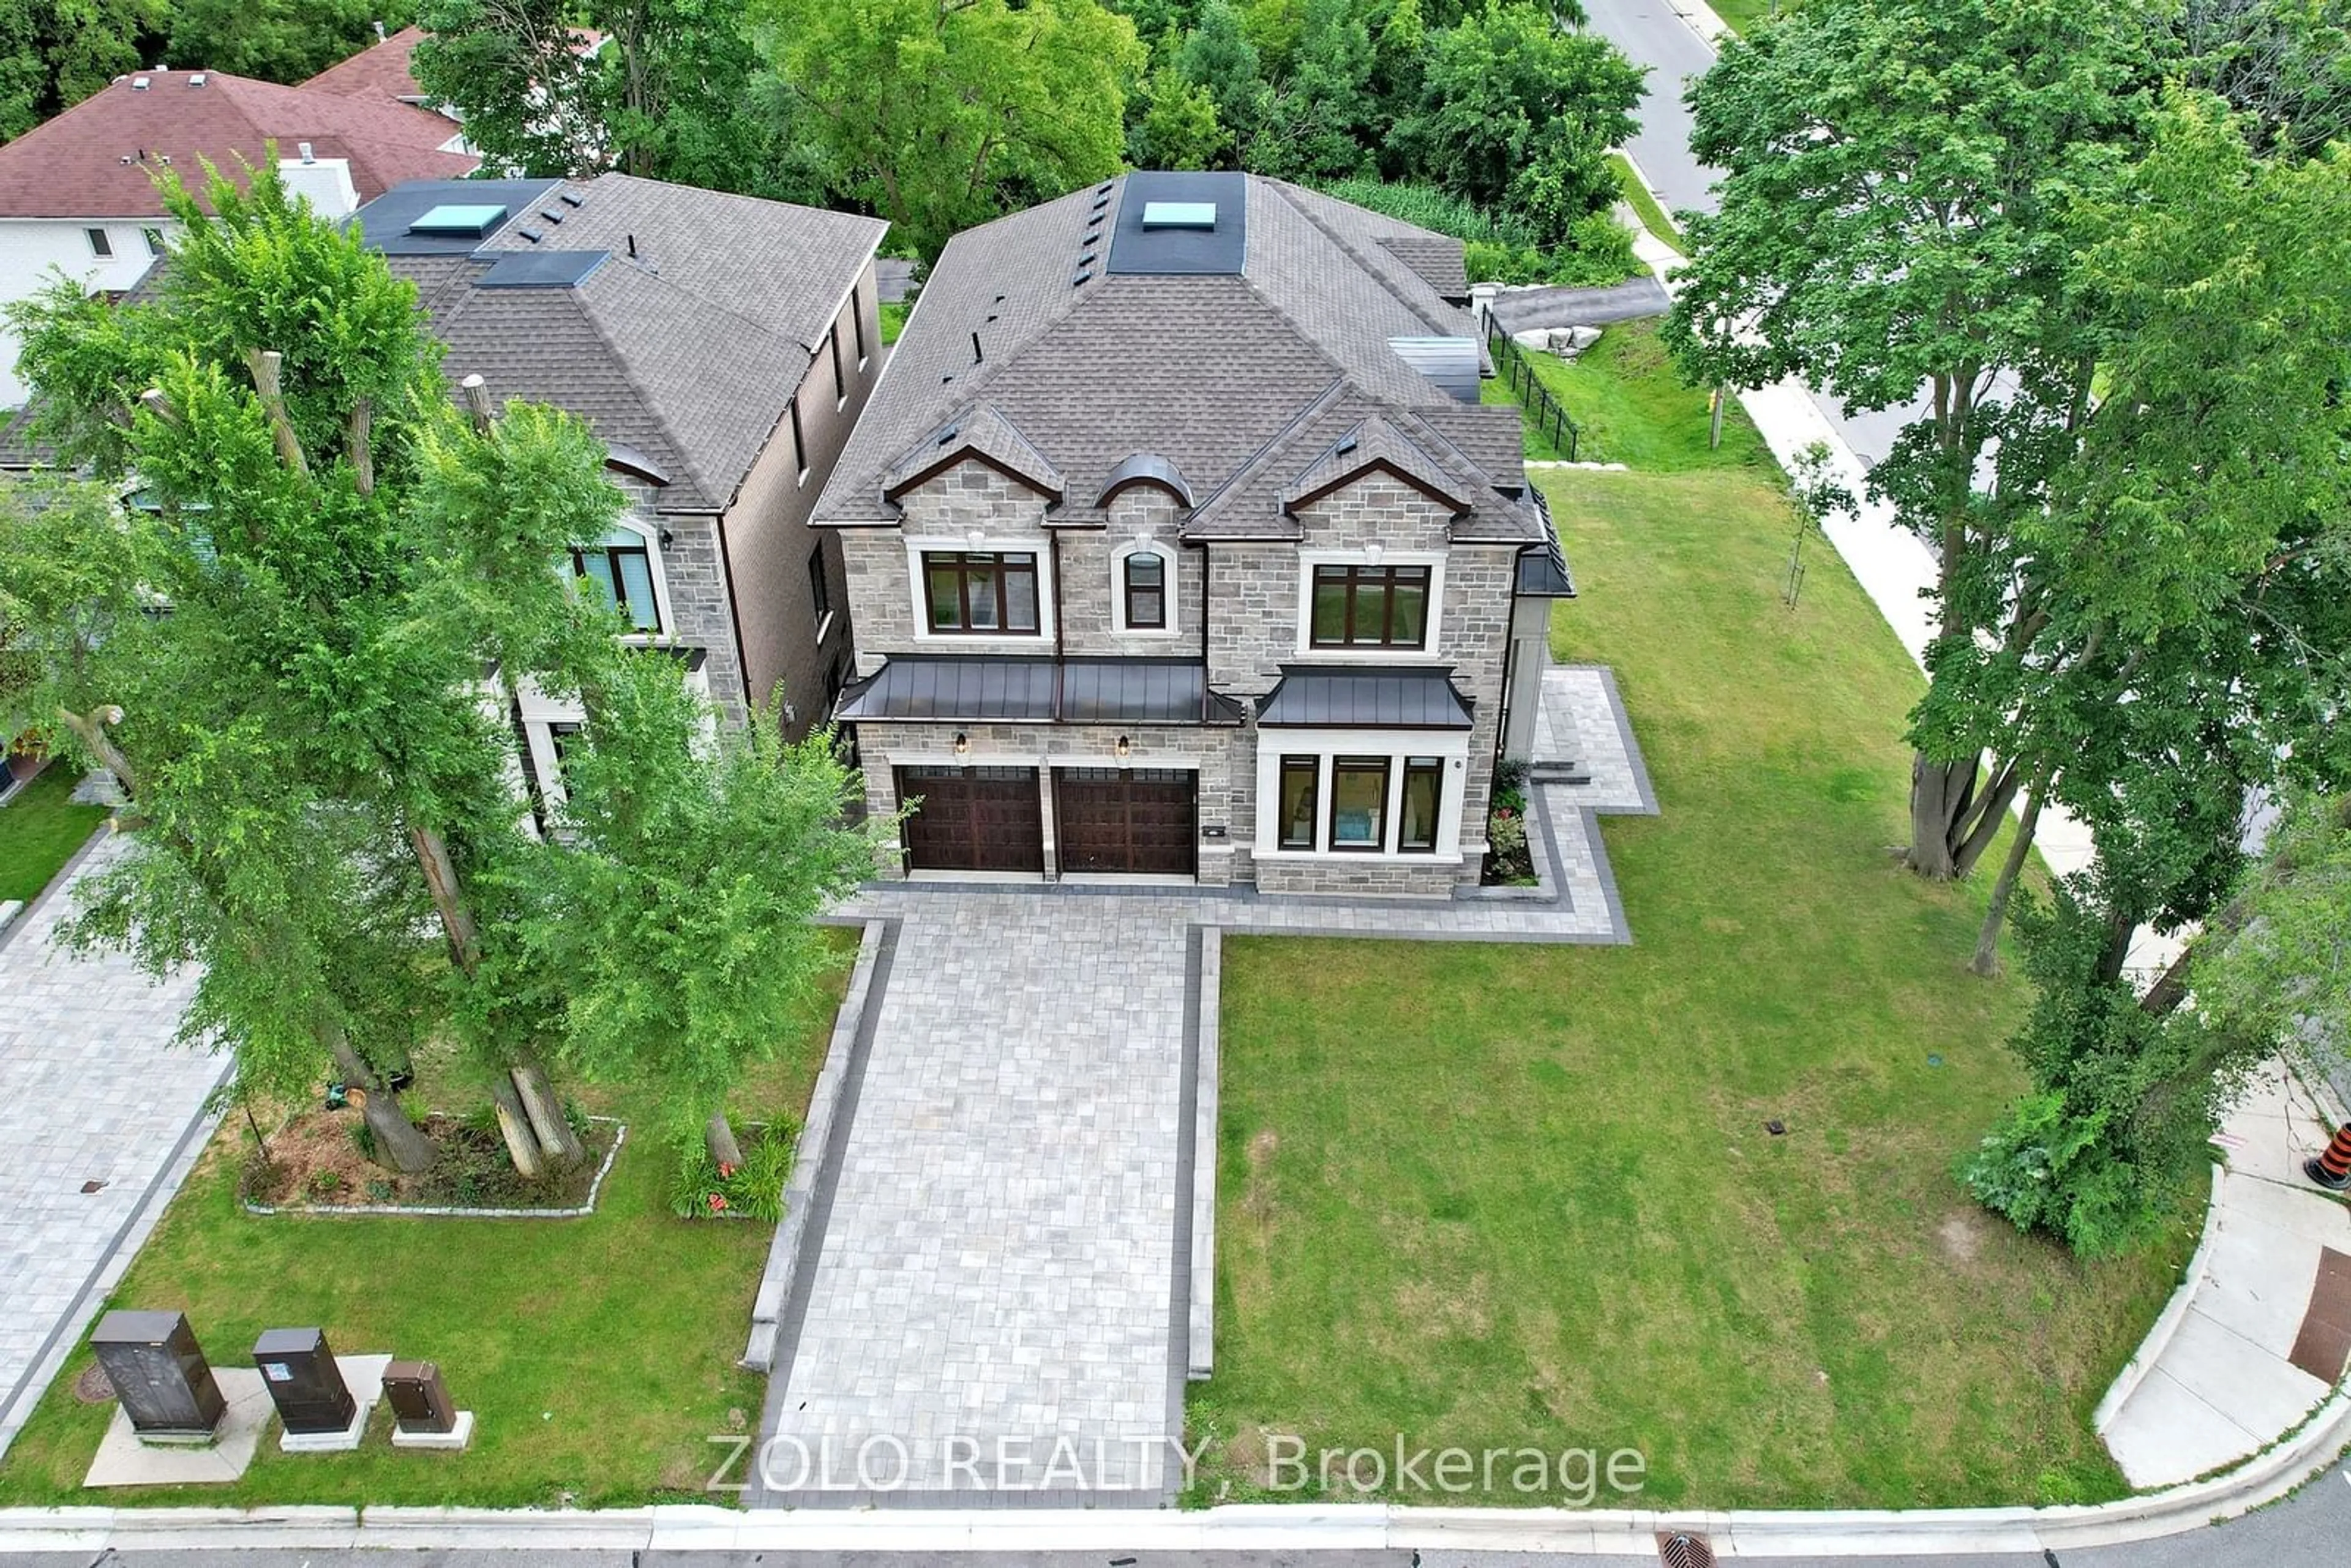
1252, 592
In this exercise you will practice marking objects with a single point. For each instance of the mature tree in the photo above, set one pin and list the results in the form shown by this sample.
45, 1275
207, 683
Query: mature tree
2287, 63
667, 95
54, 52
1894, 171
940, 114
1177, 126
1320, 120
520, 74
276, 41
1218, 58
1507, 90
2277, 968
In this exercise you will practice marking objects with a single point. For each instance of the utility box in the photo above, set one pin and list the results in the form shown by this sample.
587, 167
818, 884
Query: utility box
304, 1382
161, 1376
420, 1401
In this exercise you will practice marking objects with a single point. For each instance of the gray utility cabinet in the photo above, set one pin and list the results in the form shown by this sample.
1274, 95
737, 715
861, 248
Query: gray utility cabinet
299, 1371
160, 1373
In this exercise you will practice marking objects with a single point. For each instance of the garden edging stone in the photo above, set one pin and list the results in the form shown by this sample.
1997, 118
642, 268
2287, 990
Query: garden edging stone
448, 1211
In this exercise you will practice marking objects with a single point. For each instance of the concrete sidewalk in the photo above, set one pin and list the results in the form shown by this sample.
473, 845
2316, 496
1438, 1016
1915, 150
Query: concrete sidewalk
2259, 1332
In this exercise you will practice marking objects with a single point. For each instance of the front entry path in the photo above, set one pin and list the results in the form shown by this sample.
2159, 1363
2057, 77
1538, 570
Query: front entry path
91, 1091
994, 1295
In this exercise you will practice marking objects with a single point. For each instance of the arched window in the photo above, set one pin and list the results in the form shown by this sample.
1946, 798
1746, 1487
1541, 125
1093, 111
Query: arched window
618, 571
1143, 580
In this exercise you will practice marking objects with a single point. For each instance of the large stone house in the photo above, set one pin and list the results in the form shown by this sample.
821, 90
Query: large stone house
1179, 545
722, 347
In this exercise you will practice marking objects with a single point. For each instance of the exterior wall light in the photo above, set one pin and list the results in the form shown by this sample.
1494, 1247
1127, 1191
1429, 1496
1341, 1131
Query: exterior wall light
962, 744
1122, 750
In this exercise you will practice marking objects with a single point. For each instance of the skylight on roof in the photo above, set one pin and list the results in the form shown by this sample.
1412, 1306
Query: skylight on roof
1179, 214
458, 221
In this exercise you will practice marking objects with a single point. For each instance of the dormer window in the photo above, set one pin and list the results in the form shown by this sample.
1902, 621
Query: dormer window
1368, 605
1145, 587
618, 574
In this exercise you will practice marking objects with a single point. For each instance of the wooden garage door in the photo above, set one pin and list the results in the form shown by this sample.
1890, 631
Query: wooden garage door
974, 818
1126, 819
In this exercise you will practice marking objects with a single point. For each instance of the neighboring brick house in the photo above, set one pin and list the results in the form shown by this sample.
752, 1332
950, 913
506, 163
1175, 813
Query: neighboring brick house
1178, 544
722, 347
77, 194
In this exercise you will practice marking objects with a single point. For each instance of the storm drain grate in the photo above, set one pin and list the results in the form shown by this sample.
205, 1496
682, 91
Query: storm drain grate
1683, 1549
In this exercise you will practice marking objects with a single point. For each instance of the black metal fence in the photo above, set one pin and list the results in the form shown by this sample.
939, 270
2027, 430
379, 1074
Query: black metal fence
1549, 417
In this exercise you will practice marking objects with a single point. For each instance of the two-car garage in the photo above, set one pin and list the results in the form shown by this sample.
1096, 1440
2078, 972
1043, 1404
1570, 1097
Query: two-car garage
1106, 820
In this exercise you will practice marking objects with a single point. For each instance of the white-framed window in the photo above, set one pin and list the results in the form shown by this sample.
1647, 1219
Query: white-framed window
623, 571
1374, 795
1370, 604
154, 238
102, 245
820, 591
1143, 590
980, 590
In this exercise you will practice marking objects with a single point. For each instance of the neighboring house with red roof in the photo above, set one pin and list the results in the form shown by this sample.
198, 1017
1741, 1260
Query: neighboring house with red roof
381, 70
78, 194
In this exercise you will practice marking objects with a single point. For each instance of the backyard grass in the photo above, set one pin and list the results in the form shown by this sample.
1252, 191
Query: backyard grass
1746, 16
1653, 216
40, 828
597, 1354
1538, 445
1624, 395
1498, 1196
894, 318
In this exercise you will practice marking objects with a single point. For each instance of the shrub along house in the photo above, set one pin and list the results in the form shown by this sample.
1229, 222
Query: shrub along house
1179, 544
722, 347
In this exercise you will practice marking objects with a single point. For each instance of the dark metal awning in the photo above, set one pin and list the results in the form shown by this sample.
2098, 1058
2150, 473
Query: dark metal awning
1038, 690
1330, 698
1542, 568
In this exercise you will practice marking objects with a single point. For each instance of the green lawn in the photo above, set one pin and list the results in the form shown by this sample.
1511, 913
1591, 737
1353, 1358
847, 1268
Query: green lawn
1746, 16
1539, 446
1634, 408
599, 1353
894, 318
1653, 216
1501, 1194
40, 831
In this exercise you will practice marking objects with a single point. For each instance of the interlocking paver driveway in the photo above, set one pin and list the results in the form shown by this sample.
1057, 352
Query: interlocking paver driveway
91, 1089
997, 1271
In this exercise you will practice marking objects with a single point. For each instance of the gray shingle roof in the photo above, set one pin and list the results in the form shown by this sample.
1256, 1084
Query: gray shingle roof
1241, 381
686, 352
982, 431
1374, 443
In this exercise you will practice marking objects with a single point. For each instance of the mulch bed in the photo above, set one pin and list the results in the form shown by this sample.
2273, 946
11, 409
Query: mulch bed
317, 1161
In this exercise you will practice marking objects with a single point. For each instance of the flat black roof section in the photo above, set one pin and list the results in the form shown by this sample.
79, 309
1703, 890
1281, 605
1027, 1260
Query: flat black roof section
384, 223
1314, 697
1035, 691
1170, 250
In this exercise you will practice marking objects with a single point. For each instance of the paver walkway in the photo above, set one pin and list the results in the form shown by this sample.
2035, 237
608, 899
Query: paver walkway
91, 1089
997, 1299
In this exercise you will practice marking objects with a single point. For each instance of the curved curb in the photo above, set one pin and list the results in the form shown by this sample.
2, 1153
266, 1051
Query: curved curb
2167, 1323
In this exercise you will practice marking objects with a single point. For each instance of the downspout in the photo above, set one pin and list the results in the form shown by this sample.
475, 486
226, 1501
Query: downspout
1053, 547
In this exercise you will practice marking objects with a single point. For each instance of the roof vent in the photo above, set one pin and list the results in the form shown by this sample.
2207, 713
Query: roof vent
1179, 214
1103, 189
571, 198
1346, 444
1085, 275
551, 214
197, 80
138, 84
949, 434
303, 148
531, 234
457, 221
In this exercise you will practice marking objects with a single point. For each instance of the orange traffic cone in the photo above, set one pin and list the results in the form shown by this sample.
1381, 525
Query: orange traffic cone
2331, 1167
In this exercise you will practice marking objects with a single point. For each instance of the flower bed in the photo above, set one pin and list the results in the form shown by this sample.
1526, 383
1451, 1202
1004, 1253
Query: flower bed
319, 1161
704, 1190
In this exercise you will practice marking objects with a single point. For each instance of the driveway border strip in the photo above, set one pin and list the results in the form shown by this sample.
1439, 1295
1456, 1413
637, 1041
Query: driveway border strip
794, 1307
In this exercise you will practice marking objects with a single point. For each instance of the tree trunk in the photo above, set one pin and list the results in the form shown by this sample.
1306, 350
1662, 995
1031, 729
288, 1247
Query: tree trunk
514, 1126
441, 878
1986, 959
719, 1137
399, 1143
2170, 988
1940, 793
546, 1113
